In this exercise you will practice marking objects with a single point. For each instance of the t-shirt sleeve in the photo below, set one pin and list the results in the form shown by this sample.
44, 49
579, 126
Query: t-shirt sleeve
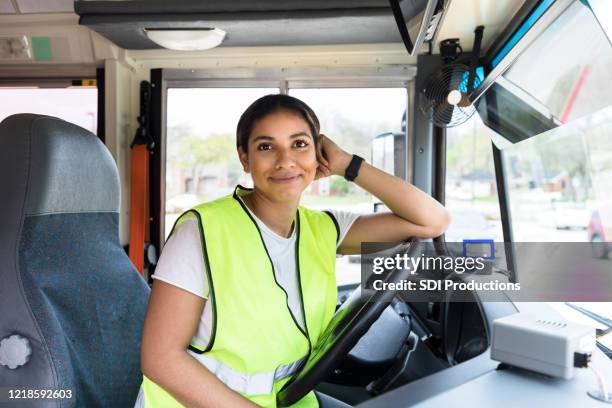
181, 262
344, 220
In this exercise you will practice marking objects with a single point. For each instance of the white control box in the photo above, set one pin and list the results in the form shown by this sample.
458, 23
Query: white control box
538, 344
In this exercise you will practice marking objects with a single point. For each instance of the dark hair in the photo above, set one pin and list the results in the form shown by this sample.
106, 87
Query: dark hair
267, 105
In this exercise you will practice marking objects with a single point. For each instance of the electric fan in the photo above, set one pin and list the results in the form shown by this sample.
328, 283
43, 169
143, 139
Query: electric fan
445, 99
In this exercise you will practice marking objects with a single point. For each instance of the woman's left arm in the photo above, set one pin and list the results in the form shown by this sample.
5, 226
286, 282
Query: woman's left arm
414, 213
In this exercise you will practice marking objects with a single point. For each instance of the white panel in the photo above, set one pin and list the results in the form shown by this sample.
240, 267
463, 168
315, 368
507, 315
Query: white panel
464, 15
6, 7
45, 6
119, 120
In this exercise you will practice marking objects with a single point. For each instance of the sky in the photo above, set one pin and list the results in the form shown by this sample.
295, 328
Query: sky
74, 105
216, 111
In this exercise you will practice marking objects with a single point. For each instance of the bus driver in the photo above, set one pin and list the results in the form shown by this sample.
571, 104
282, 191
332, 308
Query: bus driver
246, 283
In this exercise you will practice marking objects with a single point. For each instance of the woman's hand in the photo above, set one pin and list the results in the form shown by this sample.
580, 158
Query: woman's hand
332, 159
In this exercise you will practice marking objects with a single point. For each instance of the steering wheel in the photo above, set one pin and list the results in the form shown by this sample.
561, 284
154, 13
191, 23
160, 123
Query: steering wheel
351, 321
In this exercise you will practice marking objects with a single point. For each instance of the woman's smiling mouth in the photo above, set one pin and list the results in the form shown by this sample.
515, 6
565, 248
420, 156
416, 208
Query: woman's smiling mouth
285, 178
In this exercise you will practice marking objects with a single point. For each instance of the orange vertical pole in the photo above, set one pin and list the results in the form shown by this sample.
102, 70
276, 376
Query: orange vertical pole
139, 205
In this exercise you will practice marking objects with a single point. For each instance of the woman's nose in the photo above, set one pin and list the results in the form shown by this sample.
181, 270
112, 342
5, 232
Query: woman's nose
285, 158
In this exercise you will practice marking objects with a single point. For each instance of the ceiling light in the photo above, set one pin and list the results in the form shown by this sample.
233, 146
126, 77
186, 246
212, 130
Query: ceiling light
186, 39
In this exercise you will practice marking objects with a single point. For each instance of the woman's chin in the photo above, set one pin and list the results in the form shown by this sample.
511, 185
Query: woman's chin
289, 196
286, 193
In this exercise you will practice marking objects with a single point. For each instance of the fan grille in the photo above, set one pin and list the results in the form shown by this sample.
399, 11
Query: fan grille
433, 100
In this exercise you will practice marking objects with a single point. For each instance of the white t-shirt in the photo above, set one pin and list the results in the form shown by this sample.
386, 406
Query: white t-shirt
181, 264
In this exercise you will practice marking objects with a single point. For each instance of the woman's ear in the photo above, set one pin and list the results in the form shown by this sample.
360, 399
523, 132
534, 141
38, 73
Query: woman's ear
244, 160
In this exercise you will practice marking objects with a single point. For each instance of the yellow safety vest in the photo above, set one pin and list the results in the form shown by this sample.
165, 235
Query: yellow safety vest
256, 344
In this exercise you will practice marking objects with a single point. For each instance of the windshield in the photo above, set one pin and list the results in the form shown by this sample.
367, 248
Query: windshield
559, 180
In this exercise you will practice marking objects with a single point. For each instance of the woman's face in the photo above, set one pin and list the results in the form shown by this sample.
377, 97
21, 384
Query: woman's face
281, 156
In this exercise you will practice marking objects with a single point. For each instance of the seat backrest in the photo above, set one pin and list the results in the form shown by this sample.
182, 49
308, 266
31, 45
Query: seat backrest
68, 291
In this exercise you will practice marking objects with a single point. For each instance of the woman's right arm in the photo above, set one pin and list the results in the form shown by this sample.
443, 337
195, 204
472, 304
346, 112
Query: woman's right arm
172, 317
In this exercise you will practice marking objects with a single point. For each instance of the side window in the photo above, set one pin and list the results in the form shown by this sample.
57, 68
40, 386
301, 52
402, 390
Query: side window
471, 193
559, 183
201, 159
74, 104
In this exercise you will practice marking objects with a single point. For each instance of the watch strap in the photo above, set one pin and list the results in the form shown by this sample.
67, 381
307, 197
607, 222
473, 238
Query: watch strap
352, 170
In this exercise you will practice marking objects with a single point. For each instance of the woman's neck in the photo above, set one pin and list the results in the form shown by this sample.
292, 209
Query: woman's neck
278, 216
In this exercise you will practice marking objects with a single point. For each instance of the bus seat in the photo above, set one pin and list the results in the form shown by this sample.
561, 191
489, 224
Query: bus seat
71, 303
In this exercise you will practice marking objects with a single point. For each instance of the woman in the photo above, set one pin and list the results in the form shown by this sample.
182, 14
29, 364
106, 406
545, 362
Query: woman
253, 274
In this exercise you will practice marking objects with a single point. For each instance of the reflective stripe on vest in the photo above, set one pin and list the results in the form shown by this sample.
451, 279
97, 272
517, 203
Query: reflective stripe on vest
252, 384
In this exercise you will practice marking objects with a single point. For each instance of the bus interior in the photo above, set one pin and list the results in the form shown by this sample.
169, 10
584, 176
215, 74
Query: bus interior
499, 109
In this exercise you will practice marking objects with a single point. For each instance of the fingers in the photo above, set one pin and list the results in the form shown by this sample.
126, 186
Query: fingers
322, 171
320, 156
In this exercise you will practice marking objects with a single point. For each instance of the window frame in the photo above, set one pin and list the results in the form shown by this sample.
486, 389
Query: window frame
397, 76
65, 82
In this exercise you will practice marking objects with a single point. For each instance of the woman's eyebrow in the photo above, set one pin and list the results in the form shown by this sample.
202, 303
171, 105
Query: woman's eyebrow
270, 138
298, 134
263, 137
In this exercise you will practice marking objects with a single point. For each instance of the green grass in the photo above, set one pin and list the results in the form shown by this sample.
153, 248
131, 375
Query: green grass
490, 198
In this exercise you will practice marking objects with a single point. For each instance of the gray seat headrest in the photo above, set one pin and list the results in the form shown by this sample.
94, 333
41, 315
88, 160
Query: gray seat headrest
68, 170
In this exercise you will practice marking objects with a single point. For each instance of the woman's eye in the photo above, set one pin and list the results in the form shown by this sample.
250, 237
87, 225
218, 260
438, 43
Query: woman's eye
301, 143
264, 146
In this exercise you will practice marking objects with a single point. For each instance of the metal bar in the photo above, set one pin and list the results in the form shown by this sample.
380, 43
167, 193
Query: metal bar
101, 130
396, 72
410, 114
157, 163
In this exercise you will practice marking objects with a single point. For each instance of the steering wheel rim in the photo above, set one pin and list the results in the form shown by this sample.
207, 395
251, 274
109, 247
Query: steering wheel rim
350, 322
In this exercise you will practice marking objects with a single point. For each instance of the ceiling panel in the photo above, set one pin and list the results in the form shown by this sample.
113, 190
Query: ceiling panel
46, 6
6, 7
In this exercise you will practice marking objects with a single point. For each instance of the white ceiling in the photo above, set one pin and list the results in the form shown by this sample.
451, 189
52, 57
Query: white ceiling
36, 6
6, 7
463, 16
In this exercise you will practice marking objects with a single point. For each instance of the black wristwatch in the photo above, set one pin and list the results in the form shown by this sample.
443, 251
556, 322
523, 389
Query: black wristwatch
352, 170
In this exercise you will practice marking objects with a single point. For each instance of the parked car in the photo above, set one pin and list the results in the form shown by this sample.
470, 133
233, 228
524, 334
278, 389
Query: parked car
570, 215
598, 237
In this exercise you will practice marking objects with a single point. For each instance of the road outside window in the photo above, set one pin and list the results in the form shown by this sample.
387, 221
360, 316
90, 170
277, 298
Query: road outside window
471, 192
